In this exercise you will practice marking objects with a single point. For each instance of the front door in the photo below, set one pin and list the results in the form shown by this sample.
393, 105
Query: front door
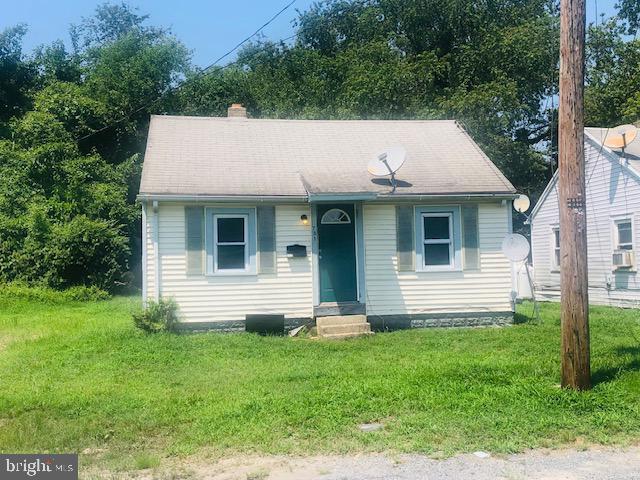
337, 253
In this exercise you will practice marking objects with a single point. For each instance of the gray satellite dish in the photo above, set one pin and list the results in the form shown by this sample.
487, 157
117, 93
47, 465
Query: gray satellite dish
521, 204
388, 162
515, 247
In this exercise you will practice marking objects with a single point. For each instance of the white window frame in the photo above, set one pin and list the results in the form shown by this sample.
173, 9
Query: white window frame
555, 266
616, 234
449, 241
216, 243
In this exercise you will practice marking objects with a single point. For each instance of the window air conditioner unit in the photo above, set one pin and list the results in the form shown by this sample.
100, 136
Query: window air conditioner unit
623, 259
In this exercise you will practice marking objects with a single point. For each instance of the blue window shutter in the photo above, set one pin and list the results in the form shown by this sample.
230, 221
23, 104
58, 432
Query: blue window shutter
405, 238
194, 239
470, 237
266, 220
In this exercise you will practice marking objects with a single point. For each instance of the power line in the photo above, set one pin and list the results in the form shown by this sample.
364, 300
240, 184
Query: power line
200, 73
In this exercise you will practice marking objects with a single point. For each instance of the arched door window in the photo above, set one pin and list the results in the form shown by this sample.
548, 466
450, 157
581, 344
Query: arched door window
335, 216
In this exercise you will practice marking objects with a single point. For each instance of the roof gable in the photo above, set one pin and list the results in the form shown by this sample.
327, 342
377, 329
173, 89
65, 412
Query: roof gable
595, 136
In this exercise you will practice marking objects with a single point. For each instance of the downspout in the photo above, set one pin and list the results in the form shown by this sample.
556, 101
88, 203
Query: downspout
145, 271
156, 252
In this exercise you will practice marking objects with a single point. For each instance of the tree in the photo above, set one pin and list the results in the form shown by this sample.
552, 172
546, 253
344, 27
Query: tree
67, 183
17, 76
612, 94
629, 10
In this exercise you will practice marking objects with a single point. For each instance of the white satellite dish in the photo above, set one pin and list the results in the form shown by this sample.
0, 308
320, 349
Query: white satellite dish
521, 204
388, 162
620, 136
515, 247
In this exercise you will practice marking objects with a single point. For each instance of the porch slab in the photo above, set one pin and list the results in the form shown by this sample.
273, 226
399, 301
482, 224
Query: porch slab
342, 308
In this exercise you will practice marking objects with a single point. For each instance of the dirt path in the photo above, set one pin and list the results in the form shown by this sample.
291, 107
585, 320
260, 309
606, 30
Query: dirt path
594, 463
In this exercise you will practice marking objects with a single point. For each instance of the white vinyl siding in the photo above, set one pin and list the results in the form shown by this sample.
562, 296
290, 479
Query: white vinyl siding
149, 273
613, 192
230, 297
390, 292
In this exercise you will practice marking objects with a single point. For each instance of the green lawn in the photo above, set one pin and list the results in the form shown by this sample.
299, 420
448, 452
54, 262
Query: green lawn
78, 375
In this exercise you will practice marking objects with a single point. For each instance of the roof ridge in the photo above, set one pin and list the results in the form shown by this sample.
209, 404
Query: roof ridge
327, 120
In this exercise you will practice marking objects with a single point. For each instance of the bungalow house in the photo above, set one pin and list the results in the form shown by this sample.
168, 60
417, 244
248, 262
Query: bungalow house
613, 212
246, 217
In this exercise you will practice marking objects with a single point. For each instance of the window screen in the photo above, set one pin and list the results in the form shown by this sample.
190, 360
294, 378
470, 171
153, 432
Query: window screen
556, 248
437, 240
230, 242
625, 235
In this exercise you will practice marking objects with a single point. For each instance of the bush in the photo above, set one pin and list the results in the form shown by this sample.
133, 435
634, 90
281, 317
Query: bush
49, 295
87, 252
81, 293
161, 316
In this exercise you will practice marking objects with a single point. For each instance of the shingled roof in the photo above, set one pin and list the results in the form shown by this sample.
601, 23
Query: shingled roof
220, 156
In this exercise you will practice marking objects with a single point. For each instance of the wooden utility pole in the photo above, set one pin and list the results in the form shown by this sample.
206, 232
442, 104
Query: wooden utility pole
576, 370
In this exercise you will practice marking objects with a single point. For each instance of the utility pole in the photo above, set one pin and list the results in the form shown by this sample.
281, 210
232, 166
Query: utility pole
576, 370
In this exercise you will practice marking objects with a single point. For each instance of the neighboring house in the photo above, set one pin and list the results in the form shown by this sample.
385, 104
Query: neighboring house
613, 207
280, 217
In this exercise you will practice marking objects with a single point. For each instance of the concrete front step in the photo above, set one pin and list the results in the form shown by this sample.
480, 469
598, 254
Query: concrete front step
352, 328
343, 326
340, 320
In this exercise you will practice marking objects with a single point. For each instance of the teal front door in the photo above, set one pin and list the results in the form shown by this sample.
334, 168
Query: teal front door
337, 253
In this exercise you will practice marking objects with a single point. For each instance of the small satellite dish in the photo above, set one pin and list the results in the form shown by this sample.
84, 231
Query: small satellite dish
620, 136
515, 247
521, 204
388, 162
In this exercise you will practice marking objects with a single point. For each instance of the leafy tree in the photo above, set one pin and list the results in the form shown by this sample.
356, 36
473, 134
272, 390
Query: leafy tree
612, 95
55, 63
17, 76
127, 66
67, 184
629, 10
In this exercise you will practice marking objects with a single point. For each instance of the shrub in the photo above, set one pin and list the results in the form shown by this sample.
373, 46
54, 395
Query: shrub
49, 295
87, 252
161, 316
81, 293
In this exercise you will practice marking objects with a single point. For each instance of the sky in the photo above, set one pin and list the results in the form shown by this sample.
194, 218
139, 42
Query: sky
207, 27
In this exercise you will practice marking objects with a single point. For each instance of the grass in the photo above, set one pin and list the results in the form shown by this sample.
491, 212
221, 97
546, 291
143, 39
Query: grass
78, 375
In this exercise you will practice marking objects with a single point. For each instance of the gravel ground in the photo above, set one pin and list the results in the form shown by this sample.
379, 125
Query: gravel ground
594, 463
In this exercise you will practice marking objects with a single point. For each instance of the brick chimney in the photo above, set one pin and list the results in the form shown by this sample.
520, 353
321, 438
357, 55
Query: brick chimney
236, 110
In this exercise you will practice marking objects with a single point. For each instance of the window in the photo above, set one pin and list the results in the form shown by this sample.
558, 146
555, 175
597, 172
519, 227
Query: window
231, 241
623, 234
335, 216
555, 248
230, 236
438, 238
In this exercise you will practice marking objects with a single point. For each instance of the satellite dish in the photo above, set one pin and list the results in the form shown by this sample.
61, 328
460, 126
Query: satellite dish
521, 204
620, 136
388, 162
515, 247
